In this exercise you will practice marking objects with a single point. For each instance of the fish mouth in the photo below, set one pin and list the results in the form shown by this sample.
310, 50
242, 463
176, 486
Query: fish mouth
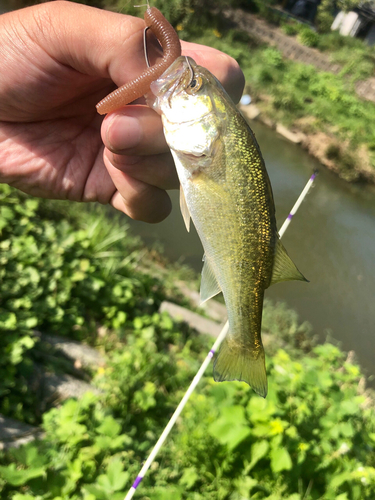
192, 156
171, 77
165, 86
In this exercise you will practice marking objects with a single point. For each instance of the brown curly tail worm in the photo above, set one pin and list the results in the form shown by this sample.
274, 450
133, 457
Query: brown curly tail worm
170, 43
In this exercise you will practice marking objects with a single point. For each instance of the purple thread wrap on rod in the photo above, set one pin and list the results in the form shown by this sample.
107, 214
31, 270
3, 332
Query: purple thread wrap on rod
298, 202
211, 353
137, 481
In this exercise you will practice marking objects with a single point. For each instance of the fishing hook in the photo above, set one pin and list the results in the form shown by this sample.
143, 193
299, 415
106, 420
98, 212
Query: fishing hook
144, 34
191, 71
145, 45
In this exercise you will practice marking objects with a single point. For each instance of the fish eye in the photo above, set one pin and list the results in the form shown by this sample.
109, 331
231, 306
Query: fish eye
195, 84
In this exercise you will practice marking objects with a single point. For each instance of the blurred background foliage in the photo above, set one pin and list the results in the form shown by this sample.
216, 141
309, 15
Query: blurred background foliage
71, 271
67, 270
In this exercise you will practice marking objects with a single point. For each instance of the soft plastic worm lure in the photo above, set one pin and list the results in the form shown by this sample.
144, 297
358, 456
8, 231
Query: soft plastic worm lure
170, 43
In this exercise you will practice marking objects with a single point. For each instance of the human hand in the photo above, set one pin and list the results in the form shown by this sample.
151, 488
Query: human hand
58, 60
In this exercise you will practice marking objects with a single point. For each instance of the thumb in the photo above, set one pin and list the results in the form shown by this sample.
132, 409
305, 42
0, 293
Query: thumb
109, 45
102, 47
94, 42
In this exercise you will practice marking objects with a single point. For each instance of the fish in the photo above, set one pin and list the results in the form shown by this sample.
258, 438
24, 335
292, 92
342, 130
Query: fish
226, 192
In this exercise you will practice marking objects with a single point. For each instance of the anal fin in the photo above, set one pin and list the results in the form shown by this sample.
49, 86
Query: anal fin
184, 209
209, 285
284, 268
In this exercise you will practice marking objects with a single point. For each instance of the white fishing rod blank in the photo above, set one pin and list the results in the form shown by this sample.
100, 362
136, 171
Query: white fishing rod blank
297, 204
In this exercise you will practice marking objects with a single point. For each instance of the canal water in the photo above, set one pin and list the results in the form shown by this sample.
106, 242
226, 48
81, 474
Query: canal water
331, 239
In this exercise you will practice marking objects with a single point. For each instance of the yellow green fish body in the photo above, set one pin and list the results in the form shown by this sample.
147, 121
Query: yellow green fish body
227, 193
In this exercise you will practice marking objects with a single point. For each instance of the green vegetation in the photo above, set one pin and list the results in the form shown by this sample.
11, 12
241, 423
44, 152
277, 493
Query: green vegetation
71, 272
356, 58
76, 272
60, 273
309, 439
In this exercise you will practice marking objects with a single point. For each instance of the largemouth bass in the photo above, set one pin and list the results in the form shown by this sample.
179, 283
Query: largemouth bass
226, 191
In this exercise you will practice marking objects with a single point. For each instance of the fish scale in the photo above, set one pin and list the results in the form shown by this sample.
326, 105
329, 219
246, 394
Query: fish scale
226, 191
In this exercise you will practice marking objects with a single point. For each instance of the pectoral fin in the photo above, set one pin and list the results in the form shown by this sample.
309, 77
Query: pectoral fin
284, 268
184, 209
209, 285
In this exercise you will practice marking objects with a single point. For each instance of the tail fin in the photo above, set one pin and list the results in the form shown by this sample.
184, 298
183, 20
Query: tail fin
234, 362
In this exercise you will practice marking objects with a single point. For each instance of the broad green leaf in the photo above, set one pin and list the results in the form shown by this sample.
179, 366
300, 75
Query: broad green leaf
78, 276
339, 479
116, 475
8, 320
347, 429
104, 482
260, 409
18, 477
244, 485
29, 455
31, 323
32, 204
349, 407
234, 414
19, 347
343, 496
109, 427
228, 433
280, 460
97, 491
87, 495
258, 451
108, 443
6, 213
223, 393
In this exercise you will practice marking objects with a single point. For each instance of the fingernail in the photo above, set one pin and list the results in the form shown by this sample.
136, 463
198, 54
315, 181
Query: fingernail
123, 133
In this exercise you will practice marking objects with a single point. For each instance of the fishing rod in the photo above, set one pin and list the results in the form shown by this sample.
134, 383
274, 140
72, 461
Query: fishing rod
206, 361
297, 204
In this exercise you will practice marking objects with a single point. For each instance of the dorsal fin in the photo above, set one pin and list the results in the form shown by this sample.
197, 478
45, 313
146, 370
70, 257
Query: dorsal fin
284, 268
